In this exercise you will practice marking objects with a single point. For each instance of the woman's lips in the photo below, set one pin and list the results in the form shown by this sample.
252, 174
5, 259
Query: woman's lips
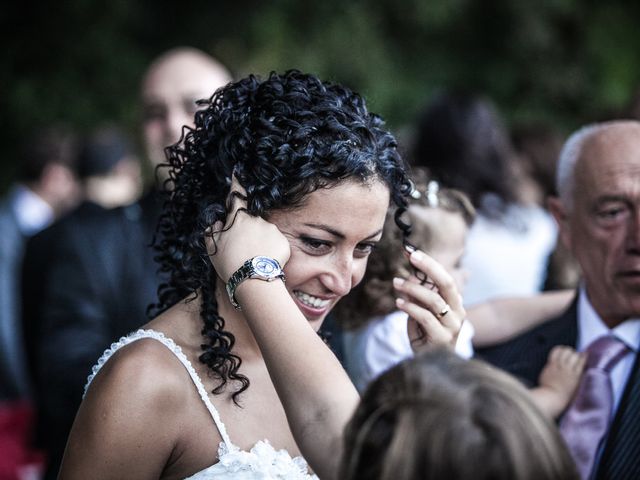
311, 305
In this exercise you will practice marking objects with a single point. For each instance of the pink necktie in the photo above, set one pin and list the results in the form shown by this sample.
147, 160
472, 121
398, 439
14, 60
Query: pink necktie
585, 422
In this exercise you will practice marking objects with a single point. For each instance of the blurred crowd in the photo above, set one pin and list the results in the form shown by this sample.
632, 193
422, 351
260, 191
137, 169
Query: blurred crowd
77, 270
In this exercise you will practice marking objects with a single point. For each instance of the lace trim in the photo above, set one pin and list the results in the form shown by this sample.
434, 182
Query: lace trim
171, 345
262, 459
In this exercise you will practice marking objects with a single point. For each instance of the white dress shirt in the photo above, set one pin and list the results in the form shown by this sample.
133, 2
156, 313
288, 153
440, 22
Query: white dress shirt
32, 212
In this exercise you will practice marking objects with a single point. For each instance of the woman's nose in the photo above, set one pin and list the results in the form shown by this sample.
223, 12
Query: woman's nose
340, 278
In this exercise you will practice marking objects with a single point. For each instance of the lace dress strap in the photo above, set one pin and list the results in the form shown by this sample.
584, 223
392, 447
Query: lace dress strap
177, 351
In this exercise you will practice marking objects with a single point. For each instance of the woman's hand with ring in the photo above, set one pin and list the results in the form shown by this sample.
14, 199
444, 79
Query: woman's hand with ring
435, 314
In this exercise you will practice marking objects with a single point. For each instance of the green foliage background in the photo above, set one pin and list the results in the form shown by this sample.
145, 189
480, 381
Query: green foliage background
557, 62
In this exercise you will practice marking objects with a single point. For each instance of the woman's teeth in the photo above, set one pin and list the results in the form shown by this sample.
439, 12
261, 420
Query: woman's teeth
310, 300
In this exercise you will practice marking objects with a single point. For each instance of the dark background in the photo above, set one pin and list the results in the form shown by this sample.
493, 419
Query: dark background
555, 62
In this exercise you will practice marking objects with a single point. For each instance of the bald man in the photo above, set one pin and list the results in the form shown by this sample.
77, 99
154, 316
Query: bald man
102, 275
598, 212
172, 85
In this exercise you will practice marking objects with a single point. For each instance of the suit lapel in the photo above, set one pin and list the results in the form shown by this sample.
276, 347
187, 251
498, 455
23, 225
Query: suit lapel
526, 355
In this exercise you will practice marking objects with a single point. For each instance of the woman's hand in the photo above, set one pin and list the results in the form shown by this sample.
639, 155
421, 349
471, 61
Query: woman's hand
434, 307
243, 237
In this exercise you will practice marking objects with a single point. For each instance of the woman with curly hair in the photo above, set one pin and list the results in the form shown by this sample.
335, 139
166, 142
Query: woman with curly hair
286, 177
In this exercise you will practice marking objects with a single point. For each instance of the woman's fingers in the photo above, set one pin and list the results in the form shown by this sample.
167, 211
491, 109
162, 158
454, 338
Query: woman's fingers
431, 320
429, 300
424, 328
237, 198
432, 302
445, 286
437, 274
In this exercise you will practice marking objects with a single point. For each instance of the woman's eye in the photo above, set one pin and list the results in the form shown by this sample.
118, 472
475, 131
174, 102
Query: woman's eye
364, 249
315, 245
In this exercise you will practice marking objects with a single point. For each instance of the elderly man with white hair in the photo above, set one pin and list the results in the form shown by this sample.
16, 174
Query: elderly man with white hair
598, 212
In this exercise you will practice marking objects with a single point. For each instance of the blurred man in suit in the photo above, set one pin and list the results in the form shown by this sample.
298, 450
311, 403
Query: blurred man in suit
598, 211
109, 175
103, 276
47, 187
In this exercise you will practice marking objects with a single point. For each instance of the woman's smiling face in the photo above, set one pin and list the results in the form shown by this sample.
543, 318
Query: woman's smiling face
331, 237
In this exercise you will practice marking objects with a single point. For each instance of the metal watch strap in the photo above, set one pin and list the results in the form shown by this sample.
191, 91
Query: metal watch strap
247, 271
240, 274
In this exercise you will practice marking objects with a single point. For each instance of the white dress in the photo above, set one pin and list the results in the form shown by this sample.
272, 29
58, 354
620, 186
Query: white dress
261, 462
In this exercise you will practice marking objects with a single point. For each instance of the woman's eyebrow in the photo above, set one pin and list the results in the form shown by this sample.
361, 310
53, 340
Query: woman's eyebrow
336, 233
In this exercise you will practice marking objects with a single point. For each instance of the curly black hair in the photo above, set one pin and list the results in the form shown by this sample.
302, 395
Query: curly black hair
283, 138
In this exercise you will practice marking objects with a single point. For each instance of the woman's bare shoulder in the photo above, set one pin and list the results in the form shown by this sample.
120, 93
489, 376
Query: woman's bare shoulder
149, 366
146, 369
134, 409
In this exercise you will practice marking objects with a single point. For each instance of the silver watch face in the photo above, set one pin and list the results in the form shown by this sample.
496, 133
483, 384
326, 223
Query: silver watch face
266, 266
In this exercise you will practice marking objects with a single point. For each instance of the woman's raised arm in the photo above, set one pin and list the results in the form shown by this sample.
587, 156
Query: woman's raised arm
314, 389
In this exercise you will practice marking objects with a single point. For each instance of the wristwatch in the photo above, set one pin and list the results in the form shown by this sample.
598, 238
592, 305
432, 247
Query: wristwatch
262, 268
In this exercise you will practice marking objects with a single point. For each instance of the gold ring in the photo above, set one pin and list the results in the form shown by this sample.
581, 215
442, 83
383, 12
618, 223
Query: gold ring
443, 312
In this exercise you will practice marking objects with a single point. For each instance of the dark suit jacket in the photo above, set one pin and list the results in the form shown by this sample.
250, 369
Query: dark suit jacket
91, 279
526, 355
40, 253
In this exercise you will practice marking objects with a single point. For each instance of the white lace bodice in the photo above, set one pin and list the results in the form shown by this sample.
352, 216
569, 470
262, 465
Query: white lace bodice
261, 462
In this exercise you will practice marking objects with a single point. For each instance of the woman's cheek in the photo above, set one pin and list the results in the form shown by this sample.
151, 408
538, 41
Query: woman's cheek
359, 271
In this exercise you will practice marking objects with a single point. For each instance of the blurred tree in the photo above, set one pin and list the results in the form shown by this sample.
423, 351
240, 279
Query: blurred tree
559, 62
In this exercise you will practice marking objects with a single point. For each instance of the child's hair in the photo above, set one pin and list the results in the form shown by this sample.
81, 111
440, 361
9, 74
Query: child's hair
375, 296
438, 416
